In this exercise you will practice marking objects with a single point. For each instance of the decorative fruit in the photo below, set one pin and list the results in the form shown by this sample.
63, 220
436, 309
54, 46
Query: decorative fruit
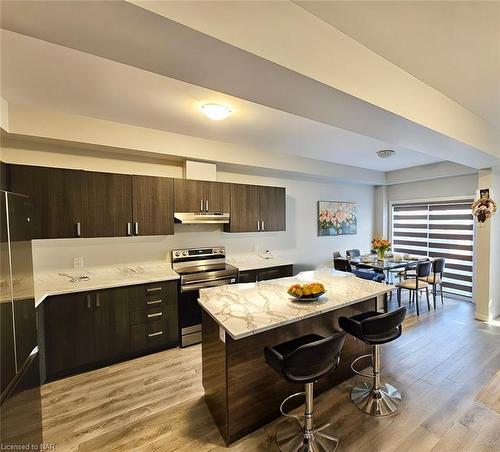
306, 290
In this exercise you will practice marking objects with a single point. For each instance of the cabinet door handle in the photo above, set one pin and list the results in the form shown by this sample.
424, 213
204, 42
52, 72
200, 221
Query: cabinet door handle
97, 301
258, 225
129, 229
262, 225
153, 302
136, 228
158, 333
156, 314
206, 205
78, 229
201, 205
89, 302
153, 289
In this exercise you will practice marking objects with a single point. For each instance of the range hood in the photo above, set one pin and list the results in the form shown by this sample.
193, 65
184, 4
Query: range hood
201, 217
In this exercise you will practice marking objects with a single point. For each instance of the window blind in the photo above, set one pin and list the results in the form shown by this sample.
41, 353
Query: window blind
438, 229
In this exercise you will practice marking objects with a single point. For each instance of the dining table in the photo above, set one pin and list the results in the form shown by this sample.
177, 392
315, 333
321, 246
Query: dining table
386, 264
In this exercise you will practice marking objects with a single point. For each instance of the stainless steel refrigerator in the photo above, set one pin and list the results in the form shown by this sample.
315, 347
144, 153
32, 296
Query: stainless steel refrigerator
20, 408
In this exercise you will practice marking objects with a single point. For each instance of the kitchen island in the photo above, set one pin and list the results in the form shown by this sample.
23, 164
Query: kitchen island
242, 392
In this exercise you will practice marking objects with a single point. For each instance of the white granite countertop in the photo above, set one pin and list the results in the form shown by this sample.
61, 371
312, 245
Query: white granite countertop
244, 262
47, 284
246, 309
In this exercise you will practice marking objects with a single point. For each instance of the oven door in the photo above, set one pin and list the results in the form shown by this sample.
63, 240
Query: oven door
189, 318
190, 310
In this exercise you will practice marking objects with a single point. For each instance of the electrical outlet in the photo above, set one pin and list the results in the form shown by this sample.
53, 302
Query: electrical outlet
78, 262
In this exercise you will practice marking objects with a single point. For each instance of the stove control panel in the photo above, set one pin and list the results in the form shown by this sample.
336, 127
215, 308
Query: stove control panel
198, 252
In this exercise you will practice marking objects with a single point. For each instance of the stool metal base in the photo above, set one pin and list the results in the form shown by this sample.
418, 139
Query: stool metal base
383, 402
291, 437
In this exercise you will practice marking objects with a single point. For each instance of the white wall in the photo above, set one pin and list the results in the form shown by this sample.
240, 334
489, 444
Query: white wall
299, 242
487, 255
437, 188
495, 250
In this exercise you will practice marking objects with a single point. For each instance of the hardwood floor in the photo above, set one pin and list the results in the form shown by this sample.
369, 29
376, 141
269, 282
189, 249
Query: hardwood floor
441, 363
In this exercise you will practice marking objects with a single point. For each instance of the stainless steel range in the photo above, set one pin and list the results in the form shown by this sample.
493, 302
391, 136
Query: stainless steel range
198, 268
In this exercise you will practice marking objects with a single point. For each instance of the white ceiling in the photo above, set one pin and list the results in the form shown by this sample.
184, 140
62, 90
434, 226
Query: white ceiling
453, 46
49, 76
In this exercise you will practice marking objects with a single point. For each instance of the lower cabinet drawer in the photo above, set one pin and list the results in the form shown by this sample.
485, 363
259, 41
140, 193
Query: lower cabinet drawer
151, 315
151, 335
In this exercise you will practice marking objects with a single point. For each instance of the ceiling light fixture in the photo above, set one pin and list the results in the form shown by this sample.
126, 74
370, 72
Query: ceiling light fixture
385, 153
216, 111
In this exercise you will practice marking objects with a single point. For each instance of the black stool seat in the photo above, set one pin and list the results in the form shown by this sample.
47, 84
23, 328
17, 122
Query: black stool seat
374, 328
307, 358
304, 360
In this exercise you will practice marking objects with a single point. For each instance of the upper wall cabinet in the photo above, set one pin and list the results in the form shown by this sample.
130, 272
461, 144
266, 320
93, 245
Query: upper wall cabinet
272, 202
56, 199
72, 203
153, 205
201, 196
107, 204
257, 209
4, 177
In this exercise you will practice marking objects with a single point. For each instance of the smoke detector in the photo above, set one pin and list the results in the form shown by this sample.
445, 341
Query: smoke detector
385, 153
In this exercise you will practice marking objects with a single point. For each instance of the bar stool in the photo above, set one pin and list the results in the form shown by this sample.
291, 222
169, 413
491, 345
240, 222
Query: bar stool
373, 328
305, 360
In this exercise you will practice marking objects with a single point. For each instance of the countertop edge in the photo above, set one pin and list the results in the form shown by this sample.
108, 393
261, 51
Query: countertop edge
236, 337
50, 293
266, 263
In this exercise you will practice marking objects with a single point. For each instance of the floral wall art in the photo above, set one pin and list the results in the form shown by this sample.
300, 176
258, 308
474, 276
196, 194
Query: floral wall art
336, 218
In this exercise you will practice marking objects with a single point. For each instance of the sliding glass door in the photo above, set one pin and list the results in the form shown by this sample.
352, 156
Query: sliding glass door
438, 229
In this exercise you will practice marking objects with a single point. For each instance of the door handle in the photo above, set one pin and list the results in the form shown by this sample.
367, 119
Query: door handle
136, 228
258, 225
201, 205
206, 205
153, 289
153, 302
262, 222
156, 314
89, 302
97, 301
158, 333
78, 229
129, 229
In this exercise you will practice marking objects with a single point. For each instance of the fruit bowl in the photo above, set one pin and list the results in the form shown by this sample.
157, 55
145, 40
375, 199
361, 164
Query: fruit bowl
306, 292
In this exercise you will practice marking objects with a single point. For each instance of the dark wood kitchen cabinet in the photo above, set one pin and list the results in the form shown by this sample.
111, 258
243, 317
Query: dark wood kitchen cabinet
257, 208
107, 204
69, 332
264, 274
245, 208
153, 205
112, 322
217, 197
56, 199
272, 203
4, 177
86, 330
201, 196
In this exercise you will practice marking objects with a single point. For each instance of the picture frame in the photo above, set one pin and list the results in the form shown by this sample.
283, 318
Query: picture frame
337, 218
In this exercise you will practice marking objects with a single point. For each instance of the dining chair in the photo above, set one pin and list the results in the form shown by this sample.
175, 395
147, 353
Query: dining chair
353, 253
342, 265
435, 278
422, 270
336, 254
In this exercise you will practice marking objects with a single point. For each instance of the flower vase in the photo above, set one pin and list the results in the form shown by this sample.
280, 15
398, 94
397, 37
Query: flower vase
380, 255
